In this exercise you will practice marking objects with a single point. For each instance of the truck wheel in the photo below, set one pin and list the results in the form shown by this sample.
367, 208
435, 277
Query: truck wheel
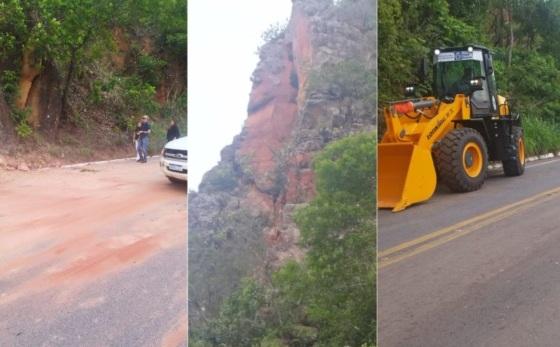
461, 159
516, 167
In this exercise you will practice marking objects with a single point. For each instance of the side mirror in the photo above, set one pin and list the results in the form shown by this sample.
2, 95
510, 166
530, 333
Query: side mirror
409, 91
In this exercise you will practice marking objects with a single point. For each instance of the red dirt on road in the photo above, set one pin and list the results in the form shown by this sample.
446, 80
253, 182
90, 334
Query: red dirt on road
68, 239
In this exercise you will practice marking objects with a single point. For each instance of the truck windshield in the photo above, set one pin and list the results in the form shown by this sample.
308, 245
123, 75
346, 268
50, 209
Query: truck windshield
453, 77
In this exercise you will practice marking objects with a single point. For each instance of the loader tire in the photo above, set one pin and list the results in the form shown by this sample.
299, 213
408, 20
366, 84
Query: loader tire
516, 167
461, 159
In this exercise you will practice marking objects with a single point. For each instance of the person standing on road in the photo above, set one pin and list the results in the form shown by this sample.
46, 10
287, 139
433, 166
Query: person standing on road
144, 139
173, 131
136, 137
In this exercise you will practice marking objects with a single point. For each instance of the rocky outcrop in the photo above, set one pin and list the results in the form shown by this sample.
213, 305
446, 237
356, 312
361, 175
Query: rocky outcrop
315, 83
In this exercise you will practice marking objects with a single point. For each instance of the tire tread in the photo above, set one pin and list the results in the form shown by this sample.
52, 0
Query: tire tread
513, 167
448, 159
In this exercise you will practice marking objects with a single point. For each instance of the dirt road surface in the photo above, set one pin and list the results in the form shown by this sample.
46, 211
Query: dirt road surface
92, 256
476, 269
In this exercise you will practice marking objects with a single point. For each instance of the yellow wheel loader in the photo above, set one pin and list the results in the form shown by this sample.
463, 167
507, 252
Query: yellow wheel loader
448, 138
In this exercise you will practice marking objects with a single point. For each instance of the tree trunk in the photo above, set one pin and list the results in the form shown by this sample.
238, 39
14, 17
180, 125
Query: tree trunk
69, 76
29, 71
498, 25
64, 100
511, 38
6, 123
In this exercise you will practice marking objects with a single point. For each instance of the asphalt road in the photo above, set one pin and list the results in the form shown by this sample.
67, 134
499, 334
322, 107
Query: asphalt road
475, 269
92, 256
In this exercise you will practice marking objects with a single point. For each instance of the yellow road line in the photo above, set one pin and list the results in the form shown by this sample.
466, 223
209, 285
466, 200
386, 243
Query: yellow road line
421, 244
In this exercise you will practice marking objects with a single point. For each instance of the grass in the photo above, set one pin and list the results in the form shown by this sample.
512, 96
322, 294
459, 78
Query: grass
541, 136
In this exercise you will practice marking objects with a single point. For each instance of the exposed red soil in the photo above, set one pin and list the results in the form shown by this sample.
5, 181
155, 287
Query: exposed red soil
177, 336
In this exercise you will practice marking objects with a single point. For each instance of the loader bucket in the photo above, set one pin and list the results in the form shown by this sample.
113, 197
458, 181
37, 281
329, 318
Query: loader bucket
407, 175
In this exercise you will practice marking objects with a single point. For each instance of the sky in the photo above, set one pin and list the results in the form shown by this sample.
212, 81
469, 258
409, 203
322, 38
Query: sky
223, 40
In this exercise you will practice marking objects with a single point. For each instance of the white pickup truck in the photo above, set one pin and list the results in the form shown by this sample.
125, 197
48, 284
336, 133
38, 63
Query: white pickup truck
173, 160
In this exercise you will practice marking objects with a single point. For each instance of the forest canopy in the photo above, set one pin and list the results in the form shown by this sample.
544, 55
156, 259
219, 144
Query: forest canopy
524, 36
65, 64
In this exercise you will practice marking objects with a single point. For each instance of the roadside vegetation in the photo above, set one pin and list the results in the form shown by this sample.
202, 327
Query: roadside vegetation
524, 35
76, 75
328, 299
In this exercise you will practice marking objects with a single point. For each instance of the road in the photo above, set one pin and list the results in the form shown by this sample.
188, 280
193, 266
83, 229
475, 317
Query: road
92, 256
476, 269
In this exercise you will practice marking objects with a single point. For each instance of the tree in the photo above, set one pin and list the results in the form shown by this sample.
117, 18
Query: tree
80, 23
38, 35
338, 227
47, 31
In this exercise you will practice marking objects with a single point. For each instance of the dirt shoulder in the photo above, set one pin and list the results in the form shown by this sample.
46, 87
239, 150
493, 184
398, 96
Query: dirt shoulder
25, 157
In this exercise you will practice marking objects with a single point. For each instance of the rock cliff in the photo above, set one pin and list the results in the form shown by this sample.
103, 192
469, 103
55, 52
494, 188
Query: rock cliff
315, 83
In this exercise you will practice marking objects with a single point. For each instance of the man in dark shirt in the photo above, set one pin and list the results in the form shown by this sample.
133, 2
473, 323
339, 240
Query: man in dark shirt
136, 136
173, 131
144, 139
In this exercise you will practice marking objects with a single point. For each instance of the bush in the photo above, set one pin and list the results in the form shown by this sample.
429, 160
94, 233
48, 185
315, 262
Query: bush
139, 95
95, 95
349, 79
531, 82
541, 136
220, 178
150, 68
24, 130
240, 321
274, 32
176, 110
22, 127
9, 83
157, 137
359, 13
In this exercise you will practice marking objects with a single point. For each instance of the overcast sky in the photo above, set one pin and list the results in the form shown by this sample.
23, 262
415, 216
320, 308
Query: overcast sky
223, 38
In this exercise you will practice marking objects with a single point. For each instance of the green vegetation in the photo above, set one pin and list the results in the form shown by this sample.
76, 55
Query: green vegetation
69, 66
221, 178
347, 79
219, 261
524, 35
328, 299
541, 136
274, 32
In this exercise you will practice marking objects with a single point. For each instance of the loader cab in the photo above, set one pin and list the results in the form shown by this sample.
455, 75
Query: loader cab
457, 69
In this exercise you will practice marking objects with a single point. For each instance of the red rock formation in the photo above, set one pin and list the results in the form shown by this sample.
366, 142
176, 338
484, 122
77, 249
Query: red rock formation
266, 173
290, 120
275, 101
